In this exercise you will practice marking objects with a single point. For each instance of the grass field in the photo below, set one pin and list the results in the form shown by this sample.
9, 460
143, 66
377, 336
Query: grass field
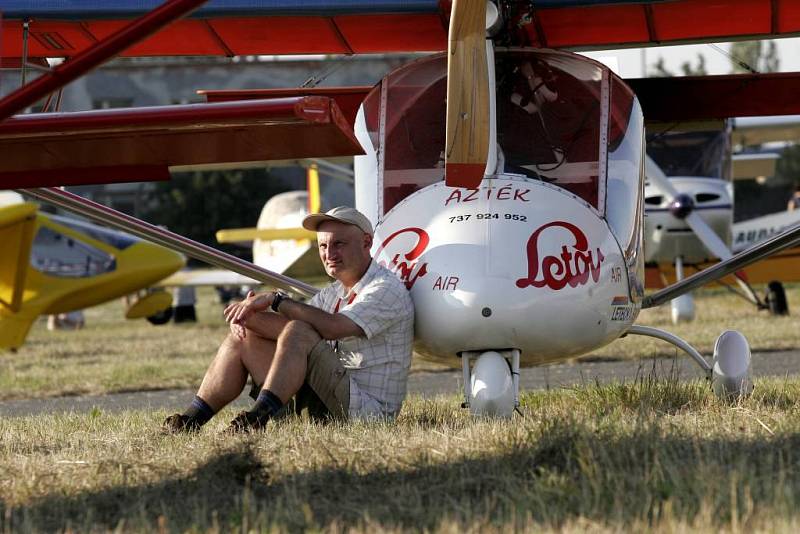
113, 355
658, 456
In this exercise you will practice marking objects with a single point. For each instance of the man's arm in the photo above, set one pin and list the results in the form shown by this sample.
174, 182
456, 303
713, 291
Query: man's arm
329, 325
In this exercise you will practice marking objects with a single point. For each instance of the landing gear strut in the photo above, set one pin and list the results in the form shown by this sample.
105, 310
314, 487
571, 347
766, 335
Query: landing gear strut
730, 372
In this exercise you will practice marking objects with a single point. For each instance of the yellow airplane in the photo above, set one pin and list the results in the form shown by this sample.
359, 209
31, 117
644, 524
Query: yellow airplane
53, 265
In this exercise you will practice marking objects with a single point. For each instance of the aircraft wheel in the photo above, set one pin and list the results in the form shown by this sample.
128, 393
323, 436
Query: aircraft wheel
682, 309
732, 376
161, 317
776, 299
492, 388
184, 314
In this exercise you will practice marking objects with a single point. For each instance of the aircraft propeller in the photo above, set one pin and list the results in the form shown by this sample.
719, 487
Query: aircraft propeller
467, 130
682, 207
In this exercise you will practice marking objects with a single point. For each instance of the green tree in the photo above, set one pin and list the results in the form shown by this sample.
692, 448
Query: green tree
197, 204
659, 68
787, 169
754, 55
695, 70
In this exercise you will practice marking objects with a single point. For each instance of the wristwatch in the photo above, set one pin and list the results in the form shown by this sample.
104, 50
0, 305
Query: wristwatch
276, 301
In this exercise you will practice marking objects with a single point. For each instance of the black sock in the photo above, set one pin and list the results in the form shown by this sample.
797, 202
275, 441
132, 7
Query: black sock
199, 411
267, 403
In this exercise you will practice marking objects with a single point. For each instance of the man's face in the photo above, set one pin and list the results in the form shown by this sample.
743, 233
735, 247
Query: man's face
343, 249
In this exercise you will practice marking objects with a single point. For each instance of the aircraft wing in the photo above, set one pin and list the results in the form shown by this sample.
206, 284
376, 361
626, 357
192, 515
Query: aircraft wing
760, 130
246, 236
207, 277
140, 144
236, 27
752, 231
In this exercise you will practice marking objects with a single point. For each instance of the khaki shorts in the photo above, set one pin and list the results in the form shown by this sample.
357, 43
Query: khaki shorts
326, 390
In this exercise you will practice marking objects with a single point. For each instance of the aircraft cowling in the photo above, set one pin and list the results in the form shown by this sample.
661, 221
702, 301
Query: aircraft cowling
517, 263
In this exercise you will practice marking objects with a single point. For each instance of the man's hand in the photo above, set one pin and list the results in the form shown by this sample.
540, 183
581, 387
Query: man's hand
236, 314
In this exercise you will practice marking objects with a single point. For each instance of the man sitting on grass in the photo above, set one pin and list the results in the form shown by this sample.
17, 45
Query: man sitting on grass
344, 354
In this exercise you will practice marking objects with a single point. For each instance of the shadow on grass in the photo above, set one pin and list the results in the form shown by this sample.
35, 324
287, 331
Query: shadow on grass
561, 471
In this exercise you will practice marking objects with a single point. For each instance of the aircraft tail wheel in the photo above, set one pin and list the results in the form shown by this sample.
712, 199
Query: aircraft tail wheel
491, 386
161, 317
682, 309
732, 375
776, 299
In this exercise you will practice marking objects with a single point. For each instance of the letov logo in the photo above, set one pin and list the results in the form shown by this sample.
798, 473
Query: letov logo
571, 267
408, 270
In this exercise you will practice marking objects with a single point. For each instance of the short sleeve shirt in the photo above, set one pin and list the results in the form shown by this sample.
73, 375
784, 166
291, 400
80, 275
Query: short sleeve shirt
377, 363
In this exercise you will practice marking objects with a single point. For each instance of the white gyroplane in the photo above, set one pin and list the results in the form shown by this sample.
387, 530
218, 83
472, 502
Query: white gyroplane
505, 180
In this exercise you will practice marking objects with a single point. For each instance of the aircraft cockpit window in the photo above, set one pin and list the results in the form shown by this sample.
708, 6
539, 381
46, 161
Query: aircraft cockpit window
691, 153
624, 174
414, 126
118, 240
548, 118
57, 254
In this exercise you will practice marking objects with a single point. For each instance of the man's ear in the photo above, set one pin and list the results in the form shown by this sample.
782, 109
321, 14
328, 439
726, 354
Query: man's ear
367, 241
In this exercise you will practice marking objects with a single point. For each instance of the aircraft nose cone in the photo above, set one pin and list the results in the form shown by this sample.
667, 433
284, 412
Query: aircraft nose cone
681, 206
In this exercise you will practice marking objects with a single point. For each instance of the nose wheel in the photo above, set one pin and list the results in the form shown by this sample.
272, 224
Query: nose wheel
491, 386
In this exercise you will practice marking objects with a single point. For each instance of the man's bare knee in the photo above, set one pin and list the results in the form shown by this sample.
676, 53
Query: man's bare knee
300, 333
237, 345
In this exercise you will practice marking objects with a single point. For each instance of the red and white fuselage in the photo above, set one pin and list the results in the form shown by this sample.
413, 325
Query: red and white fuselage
514, 264
544, 258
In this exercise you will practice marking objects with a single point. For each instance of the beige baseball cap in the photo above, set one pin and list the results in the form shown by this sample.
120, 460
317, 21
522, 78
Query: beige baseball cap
341, 214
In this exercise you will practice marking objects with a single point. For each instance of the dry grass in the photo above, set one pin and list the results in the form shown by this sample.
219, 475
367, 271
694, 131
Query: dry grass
660, 456
716, 310
113, 355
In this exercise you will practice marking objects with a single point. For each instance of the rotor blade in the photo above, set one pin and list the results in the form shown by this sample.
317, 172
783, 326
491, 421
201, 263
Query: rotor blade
657, 177
758, 252
707, 236
467, 130
139, 228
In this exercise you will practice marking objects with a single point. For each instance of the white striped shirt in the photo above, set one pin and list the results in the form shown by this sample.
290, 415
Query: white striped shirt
378, 363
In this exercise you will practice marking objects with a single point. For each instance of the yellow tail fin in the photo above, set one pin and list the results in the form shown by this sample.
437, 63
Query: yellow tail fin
17, 224
314, 200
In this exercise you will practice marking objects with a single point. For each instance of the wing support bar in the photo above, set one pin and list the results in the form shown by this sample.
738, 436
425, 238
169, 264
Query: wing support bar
139, 228
95, 55
781, 241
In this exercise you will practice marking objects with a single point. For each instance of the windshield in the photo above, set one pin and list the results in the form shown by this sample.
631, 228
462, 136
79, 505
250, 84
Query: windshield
549, 121
64, 256
695, 153
116, 239
548, 118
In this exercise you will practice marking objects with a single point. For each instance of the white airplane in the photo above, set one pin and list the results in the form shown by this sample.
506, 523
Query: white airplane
506, 186
689, 214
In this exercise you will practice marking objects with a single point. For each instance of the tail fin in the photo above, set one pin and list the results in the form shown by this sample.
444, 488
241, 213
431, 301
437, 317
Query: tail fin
14, 328
314, 200
17, 224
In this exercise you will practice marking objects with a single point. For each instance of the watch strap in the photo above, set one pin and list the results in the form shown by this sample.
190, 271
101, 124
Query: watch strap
276, 301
